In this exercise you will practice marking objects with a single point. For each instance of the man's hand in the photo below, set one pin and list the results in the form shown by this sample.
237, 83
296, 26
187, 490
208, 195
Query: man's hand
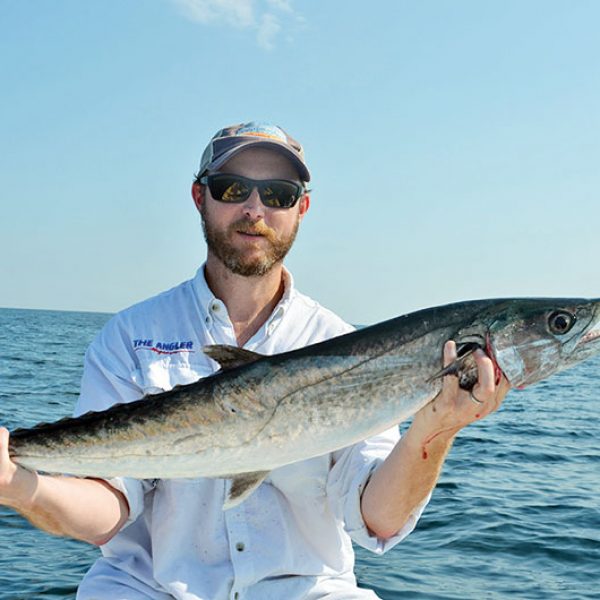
17, 485
454, 408
411, 471
86, 509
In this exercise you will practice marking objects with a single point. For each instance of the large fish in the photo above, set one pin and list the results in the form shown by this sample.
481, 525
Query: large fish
262, 412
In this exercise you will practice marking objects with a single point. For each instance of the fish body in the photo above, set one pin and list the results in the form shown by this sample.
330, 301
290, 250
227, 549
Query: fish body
262, 412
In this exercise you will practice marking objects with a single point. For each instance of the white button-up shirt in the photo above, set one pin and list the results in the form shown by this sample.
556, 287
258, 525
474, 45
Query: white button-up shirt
292, 537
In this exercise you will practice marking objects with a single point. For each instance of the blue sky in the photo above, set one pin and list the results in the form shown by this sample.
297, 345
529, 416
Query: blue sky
454, 145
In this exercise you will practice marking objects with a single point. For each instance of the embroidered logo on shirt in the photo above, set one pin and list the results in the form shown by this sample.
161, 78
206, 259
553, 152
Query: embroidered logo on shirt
164, 347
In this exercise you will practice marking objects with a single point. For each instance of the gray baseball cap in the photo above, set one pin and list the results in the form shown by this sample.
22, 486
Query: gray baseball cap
231, 140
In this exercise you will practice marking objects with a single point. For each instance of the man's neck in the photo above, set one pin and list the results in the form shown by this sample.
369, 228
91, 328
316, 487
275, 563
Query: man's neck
249, 300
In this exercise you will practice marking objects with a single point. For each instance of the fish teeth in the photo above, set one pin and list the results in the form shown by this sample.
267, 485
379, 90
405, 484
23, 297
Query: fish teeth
589, 336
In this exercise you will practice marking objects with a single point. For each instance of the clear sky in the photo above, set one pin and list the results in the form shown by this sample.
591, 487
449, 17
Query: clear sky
454, 144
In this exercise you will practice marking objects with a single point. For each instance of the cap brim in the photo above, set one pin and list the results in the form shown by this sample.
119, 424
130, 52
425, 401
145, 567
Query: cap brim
279, 147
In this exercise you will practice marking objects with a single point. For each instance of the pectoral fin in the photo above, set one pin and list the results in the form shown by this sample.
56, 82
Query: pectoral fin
242, 485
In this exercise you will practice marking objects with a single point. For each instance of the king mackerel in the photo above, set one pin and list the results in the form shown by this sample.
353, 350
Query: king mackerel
262, 412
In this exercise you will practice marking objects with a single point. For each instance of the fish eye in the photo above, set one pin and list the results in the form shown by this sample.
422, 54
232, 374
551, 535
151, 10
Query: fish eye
560, 321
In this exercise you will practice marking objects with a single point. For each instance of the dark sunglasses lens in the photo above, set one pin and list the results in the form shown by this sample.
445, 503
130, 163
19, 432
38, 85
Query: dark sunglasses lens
228, 189
274, 193
279, 194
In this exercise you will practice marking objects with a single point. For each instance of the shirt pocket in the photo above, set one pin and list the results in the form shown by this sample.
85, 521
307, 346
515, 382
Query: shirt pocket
156, 375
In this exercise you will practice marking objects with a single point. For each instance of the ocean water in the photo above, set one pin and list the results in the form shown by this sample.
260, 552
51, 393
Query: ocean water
516, 513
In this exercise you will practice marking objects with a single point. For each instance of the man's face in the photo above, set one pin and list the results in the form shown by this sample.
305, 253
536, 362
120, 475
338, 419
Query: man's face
250, 238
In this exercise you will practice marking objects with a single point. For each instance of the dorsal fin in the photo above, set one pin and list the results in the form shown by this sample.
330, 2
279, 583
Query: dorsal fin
230, 357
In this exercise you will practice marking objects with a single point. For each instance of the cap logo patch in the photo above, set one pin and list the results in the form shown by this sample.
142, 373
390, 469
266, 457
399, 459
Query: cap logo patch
263, 130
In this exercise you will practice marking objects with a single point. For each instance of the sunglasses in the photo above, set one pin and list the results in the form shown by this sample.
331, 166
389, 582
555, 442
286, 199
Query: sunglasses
234, 189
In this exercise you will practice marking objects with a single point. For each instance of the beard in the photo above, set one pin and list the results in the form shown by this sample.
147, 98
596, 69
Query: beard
238, 261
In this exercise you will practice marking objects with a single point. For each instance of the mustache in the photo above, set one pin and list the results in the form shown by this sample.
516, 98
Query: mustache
253, 228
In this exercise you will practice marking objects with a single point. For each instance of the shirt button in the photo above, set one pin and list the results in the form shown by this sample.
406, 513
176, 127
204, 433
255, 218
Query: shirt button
236, 595
214, 307
240, 546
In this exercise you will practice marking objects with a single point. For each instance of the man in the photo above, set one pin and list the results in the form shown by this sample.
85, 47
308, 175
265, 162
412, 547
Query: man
291, 539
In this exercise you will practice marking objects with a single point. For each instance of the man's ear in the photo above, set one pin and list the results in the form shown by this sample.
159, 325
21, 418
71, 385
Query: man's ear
304, 204
198, 194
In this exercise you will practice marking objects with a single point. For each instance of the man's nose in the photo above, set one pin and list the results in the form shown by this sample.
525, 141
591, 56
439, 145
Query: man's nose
253, 207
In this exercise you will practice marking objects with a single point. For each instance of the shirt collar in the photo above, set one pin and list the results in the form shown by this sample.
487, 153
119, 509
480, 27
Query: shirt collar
210, 305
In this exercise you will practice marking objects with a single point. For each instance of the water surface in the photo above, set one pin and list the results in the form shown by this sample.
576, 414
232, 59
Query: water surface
515, 515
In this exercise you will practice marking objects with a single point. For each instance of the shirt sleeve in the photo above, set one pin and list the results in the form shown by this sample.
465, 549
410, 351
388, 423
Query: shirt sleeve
110, 372
348, 477
110, 376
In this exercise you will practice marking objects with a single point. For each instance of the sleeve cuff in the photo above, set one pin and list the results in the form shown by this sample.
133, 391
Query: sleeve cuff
134, 491
355, 525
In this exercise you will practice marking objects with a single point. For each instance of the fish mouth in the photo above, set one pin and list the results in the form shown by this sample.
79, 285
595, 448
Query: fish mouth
590, 336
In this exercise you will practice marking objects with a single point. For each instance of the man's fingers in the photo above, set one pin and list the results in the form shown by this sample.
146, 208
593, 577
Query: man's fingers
450, 382
6, 466
485, 387
3, 443
449, 352
4, 457
464, 406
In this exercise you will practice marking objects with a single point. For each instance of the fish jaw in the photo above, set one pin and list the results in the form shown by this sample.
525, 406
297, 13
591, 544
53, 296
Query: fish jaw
589, 343
591, 337
527, 350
